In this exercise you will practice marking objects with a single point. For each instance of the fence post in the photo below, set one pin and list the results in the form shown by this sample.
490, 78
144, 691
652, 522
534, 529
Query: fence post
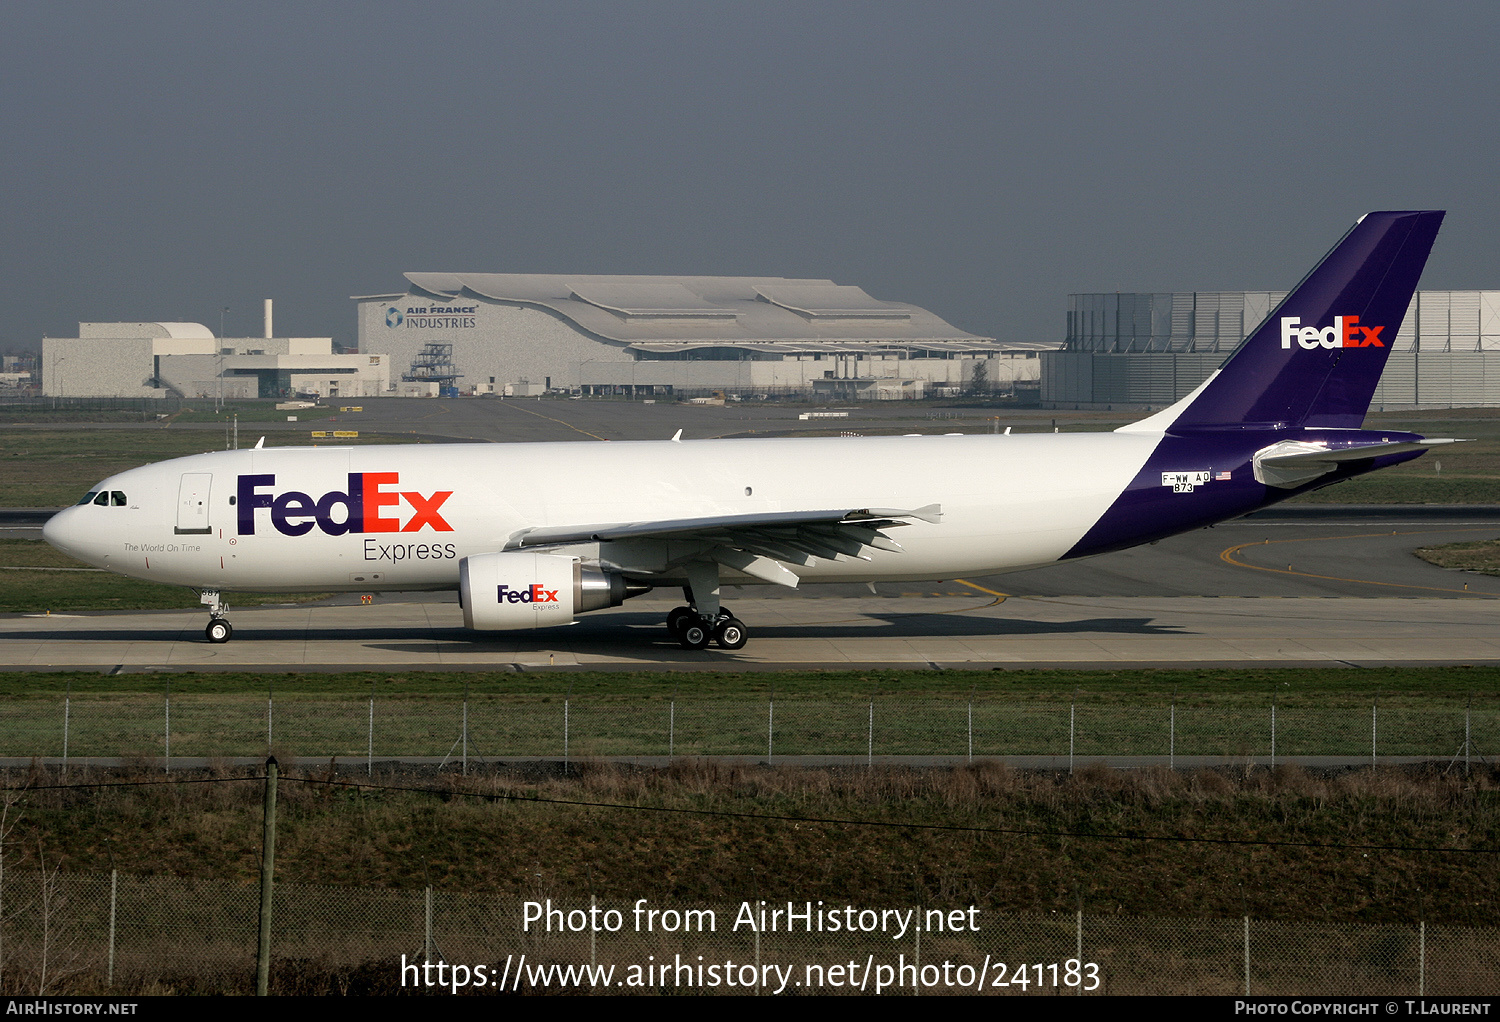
672, 727
567, 699
1273, 732
917, 952
1080, 950
870, 735
1247, 956
67, 708
270, 713
167, 732
466, 729
267, 878
1171, 736
114, 887
427, 924
770, 724
971, 726
1422, 958
1374, 712
370, 747
757, 960
1467, 711
1072, 726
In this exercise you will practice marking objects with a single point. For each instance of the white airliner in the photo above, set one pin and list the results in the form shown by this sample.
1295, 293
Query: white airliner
533, 534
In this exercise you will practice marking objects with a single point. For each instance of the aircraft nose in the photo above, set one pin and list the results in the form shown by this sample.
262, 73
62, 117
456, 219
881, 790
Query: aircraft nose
67, 533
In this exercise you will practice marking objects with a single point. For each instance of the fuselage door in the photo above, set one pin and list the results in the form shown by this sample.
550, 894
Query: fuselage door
192, 503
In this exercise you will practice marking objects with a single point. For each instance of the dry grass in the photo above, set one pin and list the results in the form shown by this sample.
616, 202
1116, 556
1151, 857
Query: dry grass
1005, 839
1482, 557
1025, 845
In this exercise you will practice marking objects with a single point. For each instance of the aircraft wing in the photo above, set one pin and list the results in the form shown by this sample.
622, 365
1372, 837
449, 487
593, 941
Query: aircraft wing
1293, 462
759, 544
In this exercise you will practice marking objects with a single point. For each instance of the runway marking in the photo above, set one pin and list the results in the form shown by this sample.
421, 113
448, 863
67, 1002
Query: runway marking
999, 597
560, 422
1227, 556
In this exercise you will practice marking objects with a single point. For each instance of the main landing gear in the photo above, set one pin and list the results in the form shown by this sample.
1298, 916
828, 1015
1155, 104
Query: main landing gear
703, 620
696, 632
219, 630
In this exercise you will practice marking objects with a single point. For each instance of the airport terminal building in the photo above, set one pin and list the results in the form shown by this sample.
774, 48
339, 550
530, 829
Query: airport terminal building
637, 335
1148, 350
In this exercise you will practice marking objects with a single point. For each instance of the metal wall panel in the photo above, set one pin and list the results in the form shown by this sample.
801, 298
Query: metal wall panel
1192, 370
1434, 379
1463, 321
1466, 379
1398, 384
1489, 320
1406, 337
1067, 377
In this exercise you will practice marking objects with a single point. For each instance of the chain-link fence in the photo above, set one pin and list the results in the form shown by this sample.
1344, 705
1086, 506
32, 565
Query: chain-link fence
475, 727
94, 933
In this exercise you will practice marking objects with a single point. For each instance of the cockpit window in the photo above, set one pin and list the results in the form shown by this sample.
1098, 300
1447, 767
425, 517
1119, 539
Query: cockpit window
117, 498
103, 499
88, 498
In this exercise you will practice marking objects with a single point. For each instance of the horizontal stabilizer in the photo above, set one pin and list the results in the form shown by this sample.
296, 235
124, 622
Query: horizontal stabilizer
1292, 463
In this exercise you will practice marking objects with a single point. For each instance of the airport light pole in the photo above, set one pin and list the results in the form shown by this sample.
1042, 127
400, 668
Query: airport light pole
219, 361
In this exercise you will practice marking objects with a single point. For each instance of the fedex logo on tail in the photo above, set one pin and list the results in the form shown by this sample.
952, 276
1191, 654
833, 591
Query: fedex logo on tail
360, 508
1345, 333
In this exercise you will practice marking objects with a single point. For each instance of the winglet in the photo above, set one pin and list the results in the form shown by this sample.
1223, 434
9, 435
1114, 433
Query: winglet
260, 444
677, 437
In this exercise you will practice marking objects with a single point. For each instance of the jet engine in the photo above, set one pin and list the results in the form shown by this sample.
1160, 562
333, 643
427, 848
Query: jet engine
520, 589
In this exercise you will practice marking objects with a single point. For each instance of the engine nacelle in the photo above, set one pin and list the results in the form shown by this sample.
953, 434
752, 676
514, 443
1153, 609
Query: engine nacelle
520, 589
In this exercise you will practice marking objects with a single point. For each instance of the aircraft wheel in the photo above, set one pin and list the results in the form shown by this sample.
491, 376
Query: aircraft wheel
677, 618
730, 633
695, 634
218, 631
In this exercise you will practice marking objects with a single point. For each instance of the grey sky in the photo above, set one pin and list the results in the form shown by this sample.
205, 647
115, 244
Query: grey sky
983, 160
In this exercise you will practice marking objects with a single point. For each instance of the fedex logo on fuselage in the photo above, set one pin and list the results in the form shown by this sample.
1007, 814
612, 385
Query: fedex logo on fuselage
338, 512
1345, 333
533, 593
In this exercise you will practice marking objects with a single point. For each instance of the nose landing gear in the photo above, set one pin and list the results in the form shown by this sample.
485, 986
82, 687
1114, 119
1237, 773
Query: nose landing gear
219, 629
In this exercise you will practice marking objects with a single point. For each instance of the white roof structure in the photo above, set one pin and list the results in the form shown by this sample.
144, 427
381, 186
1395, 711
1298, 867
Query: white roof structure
176, 331
679, 313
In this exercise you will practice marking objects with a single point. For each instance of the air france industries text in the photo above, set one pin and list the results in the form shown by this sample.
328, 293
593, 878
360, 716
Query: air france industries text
437, 317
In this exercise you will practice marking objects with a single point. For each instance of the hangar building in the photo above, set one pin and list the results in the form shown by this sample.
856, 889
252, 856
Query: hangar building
1148, 350
527, 332
187, 360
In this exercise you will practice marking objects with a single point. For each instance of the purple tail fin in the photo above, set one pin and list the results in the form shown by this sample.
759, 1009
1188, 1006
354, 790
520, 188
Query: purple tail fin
1316, 359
